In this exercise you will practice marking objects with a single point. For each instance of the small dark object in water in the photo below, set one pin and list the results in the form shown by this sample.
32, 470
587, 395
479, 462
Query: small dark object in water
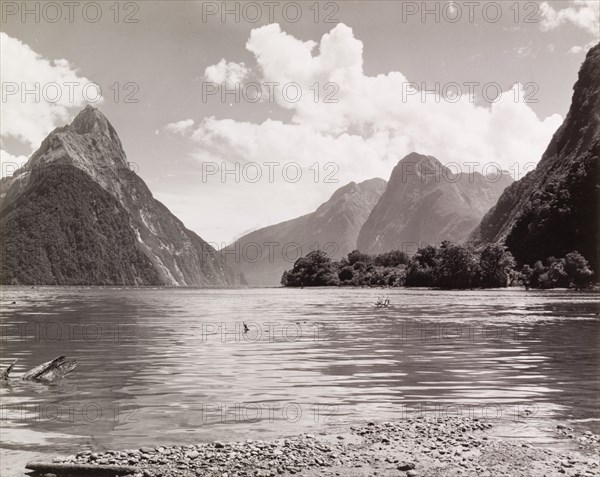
381, 303
246, 329
14, 303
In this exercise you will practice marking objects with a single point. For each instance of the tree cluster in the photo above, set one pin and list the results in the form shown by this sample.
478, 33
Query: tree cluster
572, 271
450, 266
461, 266
357, 269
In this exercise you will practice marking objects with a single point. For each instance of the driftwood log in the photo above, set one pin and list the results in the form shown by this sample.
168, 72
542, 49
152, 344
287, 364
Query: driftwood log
81, 469
5, 372
45, 372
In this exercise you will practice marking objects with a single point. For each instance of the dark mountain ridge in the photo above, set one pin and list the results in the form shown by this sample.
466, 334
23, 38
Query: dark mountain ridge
553, 210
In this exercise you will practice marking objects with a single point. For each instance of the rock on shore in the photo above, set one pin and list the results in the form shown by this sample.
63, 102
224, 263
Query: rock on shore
410, 448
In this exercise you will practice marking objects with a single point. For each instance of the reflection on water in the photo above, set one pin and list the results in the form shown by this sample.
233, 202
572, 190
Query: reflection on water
176, 366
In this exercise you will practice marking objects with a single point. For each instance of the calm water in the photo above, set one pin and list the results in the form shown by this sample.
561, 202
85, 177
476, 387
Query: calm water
174, 366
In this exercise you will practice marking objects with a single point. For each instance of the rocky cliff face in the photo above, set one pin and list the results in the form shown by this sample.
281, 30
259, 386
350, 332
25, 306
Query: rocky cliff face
104, 214
425, 203
262, 256
553, 210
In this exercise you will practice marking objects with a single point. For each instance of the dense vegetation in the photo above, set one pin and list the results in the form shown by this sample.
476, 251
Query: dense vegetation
572, 271
449, 266
66, 230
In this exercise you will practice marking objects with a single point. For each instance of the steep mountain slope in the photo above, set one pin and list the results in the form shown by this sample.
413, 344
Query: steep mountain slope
263, 255
553, 210
89, 154
425, 203
65, 229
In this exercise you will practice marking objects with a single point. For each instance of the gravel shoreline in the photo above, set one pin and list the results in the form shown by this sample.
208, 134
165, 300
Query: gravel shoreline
437, 447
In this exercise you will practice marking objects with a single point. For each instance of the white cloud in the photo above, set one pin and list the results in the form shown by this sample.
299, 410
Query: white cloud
57, 89
179, 127
229, 73
524, 51
584, 14
575, 49
370, 108
581, 49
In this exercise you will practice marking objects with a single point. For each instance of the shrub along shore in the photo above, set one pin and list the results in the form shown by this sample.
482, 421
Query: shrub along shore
450, 266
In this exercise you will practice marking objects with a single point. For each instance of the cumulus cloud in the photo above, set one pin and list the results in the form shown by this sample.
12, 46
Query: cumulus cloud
55, 89
179, 127
228, 73
584, 14
382, 117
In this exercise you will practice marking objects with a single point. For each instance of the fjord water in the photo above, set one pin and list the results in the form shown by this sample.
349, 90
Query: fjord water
174, 366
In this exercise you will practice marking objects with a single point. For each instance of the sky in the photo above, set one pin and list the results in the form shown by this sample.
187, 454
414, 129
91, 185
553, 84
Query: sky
240, 115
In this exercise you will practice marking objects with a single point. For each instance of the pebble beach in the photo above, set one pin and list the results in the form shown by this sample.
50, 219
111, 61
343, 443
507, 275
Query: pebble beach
409, 448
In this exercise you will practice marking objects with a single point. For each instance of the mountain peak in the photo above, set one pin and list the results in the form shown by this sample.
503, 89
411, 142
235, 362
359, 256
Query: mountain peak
416, 158
423, 204
93, 220
349, 188
89, 118
376, 182
369, 186
417, 167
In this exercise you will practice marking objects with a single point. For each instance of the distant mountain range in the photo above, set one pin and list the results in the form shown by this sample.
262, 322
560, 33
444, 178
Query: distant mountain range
262, 256
554, 210
423, 203
77, 214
